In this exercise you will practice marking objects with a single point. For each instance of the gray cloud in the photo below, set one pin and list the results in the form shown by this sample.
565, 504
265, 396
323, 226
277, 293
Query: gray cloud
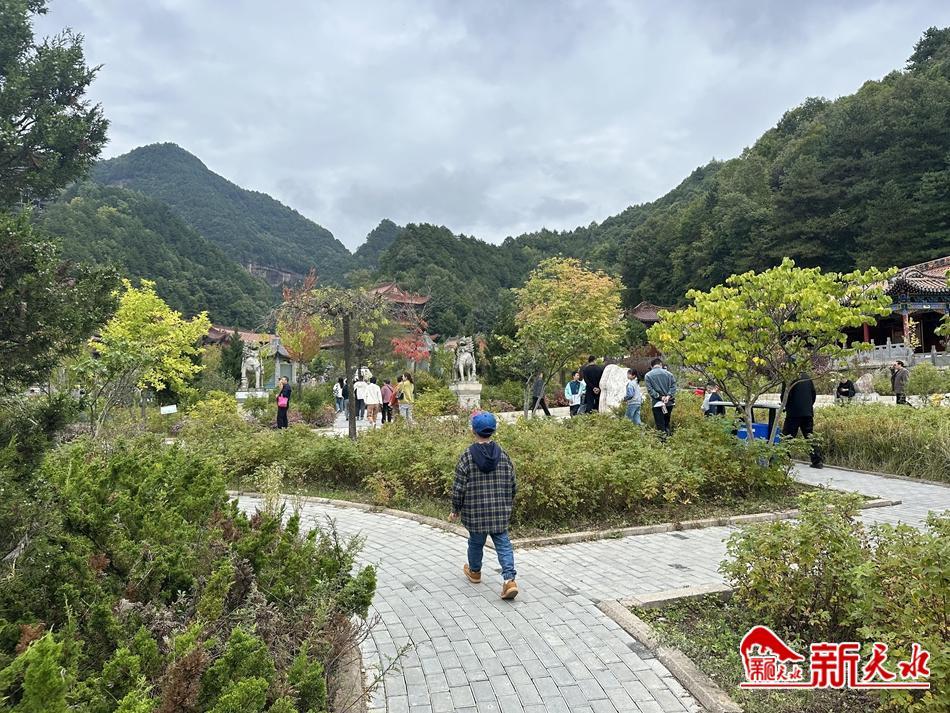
492, 118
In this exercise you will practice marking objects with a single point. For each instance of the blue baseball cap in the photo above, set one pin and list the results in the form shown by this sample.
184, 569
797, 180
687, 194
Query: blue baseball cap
484, 423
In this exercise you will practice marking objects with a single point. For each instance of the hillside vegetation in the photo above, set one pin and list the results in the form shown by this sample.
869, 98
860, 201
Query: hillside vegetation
863, 180
248, 225
143, 238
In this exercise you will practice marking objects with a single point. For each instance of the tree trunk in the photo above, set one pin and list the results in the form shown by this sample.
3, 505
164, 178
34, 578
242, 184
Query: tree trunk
347, 367
749, 418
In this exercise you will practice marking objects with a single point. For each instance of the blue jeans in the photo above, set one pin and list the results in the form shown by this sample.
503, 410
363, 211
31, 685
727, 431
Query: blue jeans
633, 413
506, 555
339, 404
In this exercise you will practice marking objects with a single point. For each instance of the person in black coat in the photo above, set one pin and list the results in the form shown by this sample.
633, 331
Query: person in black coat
800, 414
283, 397
592, 373
845, 391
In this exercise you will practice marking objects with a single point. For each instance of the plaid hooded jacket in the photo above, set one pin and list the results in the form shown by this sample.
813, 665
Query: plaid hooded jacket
484, 488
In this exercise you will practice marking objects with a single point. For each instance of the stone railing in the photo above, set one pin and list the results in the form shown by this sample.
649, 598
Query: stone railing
884, 354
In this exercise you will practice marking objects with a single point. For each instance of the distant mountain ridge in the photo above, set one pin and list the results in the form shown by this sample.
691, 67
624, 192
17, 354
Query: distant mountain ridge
144, 239
251, 227
862, 180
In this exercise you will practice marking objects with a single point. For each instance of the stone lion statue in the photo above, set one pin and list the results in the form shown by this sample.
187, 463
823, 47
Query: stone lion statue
465, 360
252, 363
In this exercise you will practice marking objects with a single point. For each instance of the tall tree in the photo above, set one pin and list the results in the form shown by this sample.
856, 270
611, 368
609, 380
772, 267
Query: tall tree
758, 332
48, 308
565, 312
49, 132
300, 333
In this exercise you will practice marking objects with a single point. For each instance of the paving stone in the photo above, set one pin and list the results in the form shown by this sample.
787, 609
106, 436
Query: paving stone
552, 646
462, 697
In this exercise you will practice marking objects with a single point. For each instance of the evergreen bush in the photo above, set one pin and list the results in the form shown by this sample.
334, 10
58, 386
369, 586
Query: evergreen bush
139, 586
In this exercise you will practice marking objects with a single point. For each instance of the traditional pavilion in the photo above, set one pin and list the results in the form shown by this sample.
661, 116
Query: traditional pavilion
647, 313
919, 294
394, 294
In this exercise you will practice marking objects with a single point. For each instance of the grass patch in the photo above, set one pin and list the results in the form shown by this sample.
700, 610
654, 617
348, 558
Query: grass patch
709, 630
887, 439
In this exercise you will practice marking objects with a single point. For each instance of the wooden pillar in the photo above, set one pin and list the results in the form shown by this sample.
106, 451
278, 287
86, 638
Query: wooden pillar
905, 318
867, 333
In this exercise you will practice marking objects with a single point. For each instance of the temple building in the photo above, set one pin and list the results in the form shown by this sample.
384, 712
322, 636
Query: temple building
920, 300
647, 313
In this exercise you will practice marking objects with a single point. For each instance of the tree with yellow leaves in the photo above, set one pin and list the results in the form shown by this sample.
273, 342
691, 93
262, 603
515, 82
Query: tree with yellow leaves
146, 345
565, 312
759, 332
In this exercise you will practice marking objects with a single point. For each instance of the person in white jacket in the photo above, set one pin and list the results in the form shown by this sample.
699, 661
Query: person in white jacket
574, 392
373, 396
359, 393
338, 394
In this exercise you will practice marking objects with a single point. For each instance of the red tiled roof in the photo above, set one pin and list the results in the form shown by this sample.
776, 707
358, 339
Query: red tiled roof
217, 333
393, 293
927, 277
646, 312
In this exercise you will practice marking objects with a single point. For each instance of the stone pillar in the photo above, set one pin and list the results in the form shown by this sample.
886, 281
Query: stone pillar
469, 394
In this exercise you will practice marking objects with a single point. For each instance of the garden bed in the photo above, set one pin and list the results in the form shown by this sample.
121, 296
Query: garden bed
913, 442
708, 630
593, 472
766, 502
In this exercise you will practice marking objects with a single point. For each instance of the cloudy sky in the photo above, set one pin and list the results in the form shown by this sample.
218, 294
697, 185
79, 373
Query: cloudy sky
491, 117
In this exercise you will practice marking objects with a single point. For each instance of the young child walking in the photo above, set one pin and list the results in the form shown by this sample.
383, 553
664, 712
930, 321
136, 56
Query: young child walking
482, 496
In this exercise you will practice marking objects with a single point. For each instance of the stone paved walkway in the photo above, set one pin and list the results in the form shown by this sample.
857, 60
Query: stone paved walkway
551, 649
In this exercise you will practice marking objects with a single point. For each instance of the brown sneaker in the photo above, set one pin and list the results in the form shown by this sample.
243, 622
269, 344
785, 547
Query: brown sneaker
509, 590
473, 577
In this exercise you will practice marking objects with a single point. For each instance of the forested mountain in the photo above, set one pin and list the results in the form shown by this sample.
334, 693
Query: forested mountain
143, 238
377, 242
862, 180
467, 277
249, 226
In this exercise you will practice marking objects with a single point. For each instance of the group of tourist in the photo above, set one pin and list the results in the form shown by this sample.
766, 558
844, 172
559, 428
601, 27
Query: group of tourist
375, 402
583, 392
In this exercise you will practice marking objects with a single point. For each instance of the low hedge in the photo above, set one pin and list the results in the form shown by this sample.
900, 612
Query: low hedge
580, 468
888, 439
828, 577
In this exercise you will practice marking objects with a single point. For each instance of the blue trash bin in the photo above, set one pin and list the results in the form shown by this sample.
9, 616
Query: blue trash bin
760, 431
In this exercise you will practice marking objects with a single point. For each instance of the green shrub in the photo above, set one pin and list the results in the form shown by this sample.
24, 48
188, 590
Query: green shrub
508, 392
798, 576
313, 399
926, 380
156, 588
889, 439
904, 593
263, 409
425, 382
436, 402
826, 578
